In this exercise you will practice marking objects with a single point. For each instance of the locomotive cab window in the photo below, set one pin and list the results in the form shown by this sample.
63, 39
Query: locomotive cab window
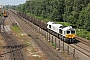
72, 32
68, 32
60, 31
49, 26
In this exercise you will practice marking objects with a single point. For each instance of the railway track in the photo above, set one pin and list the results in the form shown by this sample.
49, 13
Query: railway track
13, 47
51, 54
83, 41
83, 48
16, 52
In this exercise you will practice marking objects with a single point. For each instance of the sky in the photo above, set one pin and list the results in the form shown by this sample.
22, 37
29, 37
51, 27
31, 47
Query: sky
12, 2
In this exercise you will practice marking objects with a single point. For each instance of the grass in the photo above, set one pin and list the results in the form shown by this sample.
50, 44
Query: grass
54, 45
15, 29
29, 35
83, 33
18, 31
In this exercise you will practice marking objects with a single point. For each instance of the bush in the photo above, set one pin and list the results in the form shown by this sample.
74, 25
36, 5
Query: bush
85, 32
29, 35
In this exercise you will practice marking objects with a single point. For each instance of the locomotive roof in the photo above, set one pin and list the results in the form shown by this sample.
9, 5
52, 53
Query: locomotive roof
62, 27
67, 28
50, 22
53, 24
71, 29
56, 25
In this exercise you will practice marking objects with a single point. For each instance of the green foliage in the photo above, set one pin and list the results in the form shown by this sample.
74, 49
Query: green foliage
1, 13
83, 33
29, 35
54, 45
44, 8
15, 29
65, 23
39, 17
77, 13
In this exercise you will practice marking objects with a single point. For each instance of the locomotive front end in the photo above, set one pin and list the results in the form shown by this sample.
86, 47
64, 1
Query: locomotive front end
71, 33
70, 36
5, 13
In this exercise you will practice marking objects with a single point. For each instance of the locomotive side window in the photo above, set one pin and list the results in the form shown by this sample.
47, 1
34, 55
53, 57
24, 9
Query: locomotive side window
49, 26
60, 31
64, 32
68, 32
73, 32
